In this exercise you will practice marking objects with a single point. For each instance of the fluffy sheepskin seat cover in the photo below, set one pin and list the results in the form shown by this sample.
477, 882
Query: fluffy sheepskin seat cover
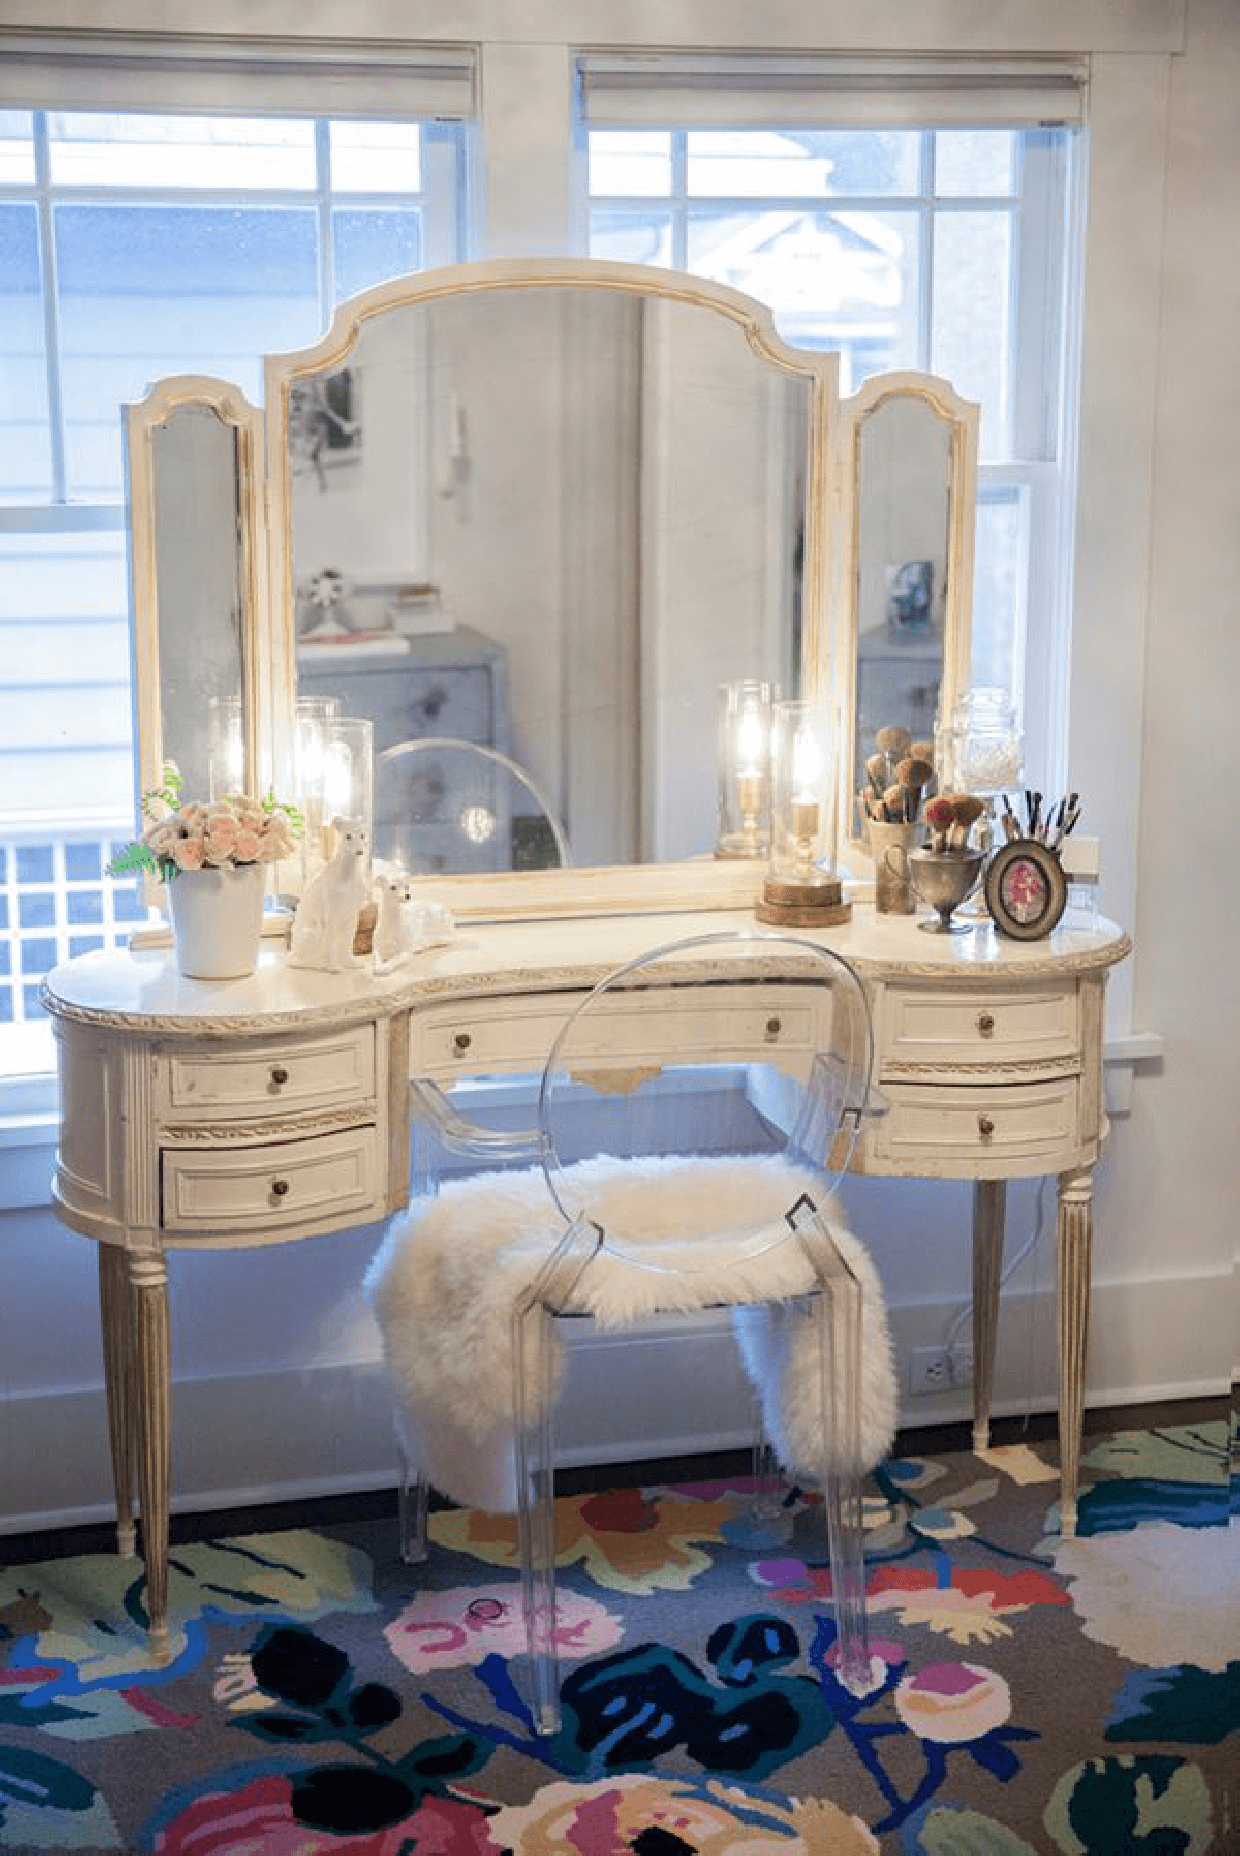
445, 1282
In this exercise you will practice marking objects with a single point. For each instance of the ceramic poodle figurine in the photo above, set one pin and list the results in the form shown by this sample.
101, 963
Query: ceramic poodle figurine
326, 918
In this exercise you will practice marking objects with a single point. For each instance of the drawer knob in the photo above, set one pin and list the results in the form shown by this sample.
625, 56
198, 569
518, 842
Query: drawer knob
462, 1041
279, 1187
986, 1024
279, 1075
773, 1027
985, 1126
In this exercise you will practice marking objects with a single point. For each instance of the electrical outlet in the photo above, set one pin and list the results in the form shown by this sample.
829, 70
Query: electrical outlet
929, 1371
960, 1361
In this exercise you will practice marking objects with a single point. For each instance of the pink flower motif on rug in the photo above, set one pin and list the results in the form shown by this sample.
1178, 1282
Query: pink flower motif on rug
458, 1627
260, 1816
953, 1702
630, 1811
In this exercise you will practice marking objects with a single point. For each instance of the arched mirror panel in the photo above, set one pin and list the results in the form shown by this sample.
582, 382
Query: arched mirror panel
909, 446
548, 509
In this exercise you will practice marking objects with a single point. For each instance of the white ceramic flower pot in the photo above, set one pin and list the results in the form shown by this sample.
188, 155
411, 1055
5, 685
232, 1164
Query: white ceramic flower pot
217, 921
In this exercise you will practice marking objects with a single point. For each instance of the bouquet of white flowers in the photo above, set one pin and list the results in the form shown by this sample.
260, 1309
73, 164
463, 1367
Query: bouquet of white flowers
207, 835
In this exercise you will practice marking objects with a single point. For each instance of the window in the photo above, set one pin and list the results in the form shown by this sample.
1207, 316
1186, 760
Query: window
135, 245
909, 220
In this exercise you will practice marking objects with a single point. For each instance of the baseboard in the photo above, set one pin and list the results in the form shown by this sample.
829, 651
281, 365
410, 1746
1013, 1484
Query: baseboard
243, 1439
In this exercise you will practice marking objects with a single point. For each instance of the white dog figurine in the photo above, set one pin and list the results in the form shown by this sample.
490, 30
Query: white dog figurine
326, 918
406, 926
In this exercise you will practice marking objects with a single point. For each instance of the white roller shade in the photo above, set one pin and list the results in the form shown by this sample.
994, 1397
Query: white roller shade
237, 77
632, 92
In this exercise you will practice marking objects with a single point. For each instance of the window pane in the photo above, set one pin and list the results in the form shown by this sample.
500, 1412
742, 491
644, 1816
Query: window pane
972, 317
631, 238
841, 279
1000, 577
750, 163
975, 161
25, 447
624, 161
16, 148
371, 247
66, 729
148, 291
376, 157
200, 152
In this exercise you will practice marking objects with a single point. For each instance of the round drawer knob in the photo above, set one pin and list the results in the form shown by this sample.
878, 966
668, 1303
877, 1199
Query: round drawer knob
279, 1075
986, 1024
773, 1027
461, 1042
278, 1188
985, 1126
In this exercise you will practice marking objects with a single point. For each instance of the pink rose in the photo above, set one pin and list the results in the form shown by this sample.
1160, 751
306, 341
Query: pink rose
188, 853
248, 848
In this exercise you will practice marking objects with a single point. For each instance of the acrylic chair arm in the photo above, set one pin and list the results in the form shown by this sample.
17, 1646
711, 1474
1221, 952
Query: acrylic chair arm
429, 1104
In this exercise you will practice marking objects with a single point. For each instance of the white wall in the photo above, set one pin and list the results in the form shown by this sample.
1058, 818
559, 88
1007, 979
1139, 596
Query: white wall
1154, 674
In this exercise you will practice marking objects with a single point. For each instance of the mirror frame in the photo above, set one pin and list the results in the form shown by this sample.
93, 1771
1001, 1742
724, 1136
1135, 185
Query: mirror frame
143, 422
265, 568
961, 418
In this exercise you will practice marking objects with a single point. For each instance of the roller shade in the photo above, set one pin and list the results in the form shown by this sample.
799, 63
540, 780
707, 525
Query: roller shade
634, 92
236, 77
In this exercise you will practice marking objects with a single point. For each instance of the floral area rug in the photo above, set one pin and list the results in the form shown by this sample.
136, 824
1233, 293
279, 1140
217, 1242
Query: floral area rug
1028, 1693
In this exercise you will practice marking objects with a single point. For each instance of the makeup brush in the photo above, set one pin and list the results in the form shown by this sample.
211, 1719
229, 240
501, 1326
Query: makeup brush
914, 776
893, 803
893, 743
924, 750
939, 818
877, 769
1011, 824
967, 808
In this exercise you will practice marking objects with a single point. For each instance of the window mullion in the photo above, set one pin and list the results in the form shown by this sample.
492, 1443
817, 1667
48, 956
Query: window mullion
323, 208
51, 309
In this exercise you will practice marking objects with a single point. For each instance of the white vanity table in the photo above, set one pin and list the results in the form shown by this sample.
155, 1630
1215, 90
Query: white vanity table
275, 1108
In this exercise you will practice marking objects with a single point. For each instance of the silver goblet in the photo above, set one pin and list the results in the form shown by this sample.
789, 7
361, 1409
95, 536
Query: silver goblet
942, 880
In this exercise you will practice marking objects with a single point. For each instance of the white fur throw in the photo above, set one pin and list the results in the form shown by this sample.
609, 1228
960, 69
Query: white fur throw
445, 1282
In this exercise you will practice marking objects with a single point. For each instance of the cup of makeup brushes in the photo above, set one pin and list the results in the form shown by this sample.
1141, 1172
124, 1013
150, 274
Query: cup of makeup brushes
890, 844
942, 880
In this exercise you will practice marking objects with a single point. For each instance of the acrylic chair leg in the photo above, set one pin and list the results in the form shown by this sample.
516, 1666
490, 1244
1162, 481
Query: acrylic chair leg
535, 1478
839, 1330
412, 1494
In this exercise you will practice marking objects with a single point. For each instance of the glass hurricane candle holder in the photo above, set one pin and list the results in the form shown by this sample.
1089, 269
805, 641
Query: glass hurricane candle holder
801, 887
744, 756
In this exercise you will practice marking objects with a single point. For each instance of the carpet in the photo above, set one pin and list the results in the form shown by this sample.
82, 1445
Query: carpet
1028, 1693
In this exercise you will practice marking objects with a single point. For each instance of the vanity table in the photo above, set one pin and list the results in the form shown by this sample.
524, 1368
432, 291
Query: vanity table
275, 1108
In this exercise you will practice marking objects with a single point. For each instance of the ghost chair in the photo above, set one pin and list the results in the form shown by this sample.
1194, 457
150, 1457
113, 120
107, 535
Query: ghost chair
696, 1112
446, 806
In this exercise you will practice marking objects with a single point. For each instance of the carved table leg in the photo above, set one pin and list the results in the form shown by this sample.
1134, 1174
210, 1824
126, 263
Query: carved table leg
989, 1211
1074, 1283
153, 1372
116, 1325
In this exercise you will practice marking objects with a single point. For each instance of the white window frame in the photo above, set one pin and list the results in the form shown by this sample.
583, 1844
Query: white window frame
219, 80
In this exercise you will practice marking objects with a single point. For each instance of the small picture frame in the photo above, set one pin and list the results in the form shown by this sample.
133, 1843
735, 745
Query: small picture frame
1025, 888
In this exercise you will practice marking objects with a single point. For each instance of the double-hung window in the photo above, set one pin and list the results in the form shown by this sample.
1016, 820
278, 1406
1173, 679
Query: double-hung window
135, 243
909, 217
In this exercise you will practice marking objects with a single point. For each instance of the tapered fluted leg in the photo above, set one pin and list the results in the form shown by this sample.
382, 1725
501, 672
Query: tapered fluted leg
989, 1211
1074, 1281
153, 1373
116, 1326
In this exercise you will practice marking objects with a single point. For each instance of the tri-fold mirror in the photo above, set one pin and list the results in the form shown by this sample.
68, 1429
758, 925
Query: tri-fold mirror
548, 509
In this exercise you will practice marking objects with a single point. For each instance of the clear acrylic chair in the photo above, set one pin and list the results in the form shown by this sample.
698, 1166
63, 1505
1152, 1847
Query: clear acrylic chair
701, 1177
446, 806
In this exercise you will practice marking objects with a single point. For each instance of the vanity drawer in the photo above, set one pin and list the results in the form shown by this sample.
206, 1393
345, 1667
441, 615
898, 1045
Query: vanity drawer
922, 1027
696, 1023
336, 1070
941, 1132
471, 1041
291, 1182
